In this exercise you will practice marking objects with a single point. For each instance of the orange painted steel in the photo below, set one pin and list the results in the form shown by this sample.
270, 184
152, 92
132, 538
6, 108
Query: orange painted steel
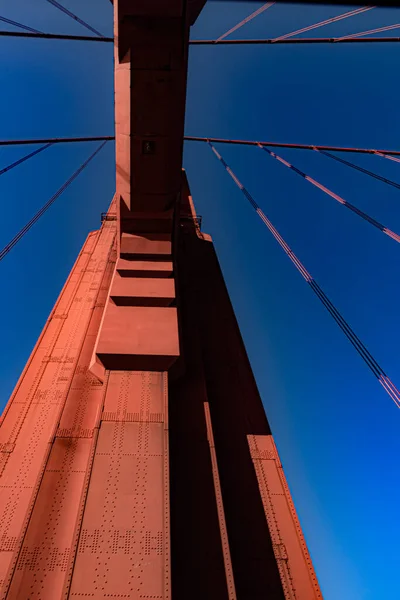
291, 553
123, 549
218, 375
136, 460
47, 432
220, 508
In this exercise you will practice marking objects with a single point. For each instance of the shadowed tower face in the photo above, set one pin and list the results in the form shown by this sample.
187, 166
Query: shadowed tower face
136, 460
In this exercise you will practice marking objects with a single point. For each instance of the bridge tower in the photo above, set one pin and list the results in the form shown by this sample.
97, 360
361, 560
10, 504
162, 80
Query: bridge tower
136, 459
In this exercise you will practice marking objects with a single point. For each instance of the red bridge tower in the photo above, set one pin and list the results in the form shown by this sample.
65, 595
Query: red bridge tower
136, 459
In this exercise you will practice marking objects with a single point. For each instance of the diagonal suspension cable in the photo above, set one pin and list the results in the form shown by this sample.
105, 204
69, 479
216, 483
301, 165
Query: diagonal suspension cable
20, 25
346, 15
23, 159
373, 365
336, 197
8, 247
77, 19
361, 169
369, 32
246, 20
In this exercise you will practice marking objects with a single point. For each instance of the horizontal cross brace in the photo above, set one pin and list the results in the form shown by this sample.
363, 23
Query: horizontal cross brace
297, 146
104, 138
272, 42
55, 36
91, 38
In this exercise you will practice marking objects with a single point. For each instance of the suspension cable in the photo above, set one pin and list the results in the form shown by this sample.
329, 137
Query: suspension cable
46, 206
379, 373
346, 15
59, 140
380, 153
246, 20
336, 197
61, 36
295, 146
23, 159
20, 25
313, 40
361, 169
77, 19
369, 32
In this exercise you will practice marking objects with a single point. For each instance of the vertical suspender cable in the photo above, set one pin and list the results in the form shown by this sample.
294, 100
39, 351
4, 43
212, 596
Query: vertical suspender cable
20, 25
77, 19
358, 168
46, 206
369, 32
336, 197
23, 159
246, 20
387, 156
347, 15
379, 373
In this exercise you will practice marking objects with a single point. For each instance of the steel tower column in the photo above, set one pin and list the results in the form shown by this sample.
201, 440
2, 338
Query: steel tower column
136, 460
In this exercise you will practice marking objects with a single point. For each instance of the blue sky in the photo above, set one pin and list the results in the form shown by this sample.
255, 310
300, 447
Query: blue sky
336, 429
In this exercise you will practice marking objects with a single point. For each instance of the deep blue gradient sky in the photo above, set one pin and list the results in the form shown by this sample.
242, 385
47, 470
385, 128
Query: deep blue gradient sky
336, 429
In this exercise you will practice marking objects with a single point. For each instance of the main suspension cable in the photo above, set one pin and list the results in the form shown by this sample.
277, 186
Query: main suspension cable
20, 25
313, 40
373, 365
8, 247
60, 36
77, 19
361, 169
23, 159
385, 153
246, 20
346, 15
59, 140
